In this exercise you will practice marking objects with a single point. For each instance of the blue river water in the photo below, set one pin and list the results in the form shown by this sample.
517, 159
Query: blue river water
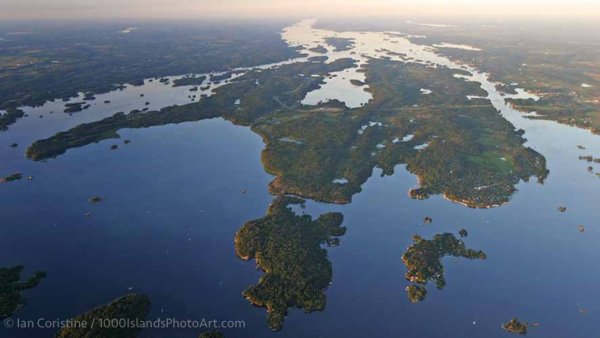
167, 224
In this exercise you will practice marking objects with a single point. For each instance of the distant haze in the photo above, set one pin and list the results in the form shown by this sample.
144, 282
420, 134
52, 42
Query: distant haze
170, 9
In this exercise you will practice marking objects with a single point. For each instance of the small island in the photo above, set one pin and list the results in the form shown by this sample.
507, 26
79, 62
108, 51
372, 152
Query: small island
416, 293
515, 326
189, 81
357, 83
12, 178
423, 261
74, 107
319, 49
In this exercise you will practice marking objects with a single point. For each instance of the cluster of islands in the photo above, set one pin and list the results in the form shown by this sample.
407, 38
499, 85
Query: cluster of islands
448, 135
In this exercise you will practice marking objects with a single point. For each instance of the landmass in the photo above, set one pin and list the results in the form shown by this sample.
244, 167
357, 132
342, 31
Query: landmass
54, 63
11, 287
287, 248
460, 148
562, 68
131, 307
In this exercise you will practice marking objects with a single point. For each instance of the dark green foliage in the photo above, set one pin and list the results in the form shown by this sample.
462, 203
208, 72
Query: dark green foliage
287, 247
256, 102
130, 307
423, 259
53, 63
222, 77
544, 62
9, 117
74, 107
189, 81
11, 287
474, 156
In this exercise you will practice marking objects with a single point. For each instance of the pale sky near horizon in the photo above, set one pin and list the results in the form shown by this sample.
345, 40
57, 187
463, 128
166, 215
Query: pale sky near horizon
53, 9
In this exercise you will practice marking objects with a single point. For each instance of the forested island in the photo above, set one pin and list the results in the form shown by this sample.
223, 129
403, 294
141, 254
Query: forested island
423, 262
189, 81
11, 287
287, 248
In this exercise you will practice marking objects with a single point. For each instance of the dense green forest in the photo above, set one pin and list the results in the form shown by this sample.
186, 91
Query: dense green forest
423, 261
11, 287
287, 247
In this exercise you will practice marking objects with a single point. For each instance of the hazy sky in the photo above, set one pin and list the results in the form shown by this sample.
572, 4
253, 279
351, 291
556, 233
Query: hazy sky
18, 9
